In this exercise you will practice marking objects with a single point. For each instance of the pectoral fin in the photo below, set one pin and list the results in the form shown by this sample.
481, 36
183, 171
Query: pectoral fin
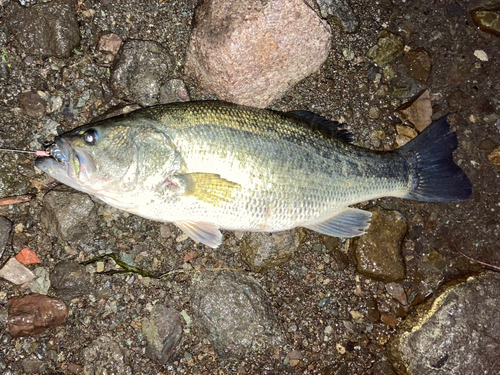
350, 222
209, 188
206, 233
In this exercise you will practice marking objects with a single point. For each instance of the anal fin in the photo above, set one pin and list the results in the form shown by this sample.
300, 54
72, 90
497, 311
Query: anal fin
350, 222
206, 233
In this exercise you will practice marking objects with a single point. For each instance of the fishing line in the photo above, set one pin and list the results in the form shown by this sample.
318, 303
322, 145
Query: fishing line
37, 153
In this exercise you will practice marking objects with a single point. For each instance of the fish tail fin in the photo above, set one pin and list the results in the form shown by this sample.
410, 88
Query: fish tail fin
434, 175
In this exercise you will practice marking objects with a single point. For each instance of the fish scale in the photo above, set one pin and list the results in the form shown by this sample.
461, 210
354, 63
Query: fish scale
207, 166
285, 170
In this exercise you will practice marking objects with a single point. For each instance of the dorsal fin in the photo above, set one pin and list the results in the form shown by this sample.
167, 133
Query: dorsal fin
334, 127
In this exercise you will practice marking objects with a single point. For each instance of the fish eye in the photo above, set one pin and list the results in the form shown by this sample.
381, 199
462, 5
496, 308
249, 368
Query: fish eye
90, 136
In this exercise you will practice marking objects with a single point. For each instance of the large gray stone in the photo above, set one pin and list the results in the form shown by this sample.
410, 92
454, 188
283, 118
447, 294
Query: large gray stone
49, 29
235, 313
454, 333
142, 67
106, 356
70, 216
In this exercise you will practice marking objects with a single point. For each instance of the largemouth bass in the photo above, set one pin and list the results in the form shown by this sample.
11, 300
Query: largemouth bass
206, 166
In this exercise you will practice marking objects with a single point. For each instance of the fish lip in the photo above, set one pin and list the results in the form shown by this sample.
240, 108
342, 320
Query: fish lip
65, 157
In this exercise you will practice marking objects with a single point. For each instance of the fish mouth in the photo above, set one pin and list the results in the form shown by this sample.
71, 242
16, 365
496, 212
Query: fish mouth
67, 164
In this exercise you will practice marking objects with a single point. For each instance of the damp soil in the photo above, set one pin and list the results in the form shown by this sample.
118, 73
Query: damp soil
314, 301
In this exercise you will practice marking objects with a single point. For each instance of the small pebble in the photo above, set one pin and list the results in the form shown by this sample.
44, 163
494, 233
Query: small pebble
481, 55
328, 330
340, 348
397, 292
374, 113
356, 315
110, 43
390, 320
494, 157
100, 267
26, 256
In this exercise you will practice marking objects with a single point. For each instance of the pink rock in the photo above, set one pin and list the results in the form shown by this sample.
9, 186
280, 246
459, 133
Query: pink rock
251, 52
35, 313
110, 43
419, 111
16, 273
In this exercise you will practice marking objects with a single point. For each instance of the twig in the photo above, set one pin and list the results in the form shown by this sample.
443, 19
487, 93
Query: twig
15, 200
169, 273
496, 268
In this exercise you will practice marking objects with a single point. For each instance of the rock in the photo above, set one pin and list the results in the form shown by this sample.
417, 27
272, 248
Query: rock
261, 251
174, 91
109, 43
494, 157
481, 55
235, 313
294, 357
485, 145
383, 368
163, 332
419, 64
406, 131
32, 104
70, 280
5, 229
49, 29
4, 70
16, 273
34, 313
390, 320
418, 111
397, 292
73, 368
374, 113
106, 356
31, 365
340, 13
251, 51
338, 258
70, 216
454, 333
401, 140
388, 48
26, 256
378, 252
141, 68
487, 19
405, 87
41, 284
405, 135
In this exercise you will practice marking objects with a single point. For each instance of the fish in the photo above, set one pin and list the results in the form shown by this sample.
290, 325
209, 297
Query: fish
211, 165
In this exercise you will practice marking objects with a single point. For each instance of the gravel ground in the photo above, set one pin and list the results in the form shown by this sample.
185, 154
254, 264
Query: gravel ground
324, 316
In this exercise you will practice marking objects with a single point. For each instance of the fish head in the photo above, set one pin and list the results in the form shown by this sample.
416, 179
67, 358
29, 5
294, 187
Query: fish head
110, 158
